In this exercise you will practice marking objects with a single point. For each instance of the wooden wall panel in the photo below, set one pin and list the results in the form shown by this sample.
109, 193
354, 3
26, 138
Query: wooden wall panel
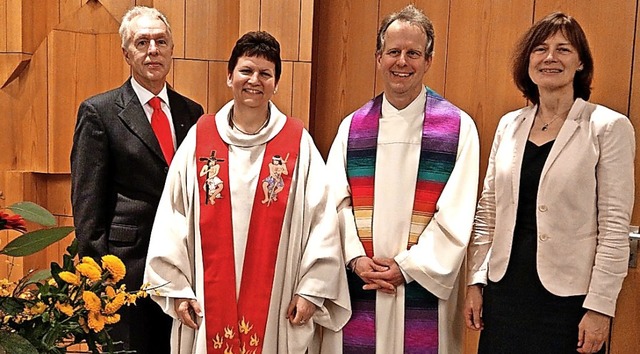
611, 45
78, 66
301, 92
250, 19
211, 28
190, 78
58, 197
4, 33
31, 114
68, 7
117, 8
306, 30
343, 66
38, 17
282, 20
174, 11
219, 92
14, 25
282, 99
478, 77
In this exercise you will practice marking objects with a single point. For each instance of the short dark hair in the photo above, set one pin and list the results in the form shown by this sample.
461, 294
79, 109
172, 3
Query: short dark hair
256, 44
536, 35
414, 16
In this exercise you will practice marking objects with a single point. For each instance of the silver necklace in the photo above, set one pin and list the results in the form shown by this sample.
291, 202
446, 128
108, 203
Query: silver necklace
545, 126
233, 124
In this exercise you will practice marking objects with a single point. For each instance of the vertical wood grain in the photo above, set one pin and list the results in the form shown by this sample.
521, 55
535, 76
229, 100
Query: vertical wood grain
175, 13
478, 76
14, 25
219, 92
68, 7
191, 79
301, 92
78, 67
282, 19
39, 17
4, 31
250, 18
343, 66
31, 114
282, 99
306, 30
211, 28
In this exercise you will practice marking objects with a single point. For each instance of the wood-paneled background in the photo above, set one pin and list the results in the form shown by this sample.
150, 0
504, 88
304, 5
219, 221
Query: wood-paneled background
56, 53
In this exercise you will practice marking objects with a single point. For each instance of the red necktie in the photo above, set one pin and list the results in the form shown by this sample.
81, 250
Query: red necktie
162, 129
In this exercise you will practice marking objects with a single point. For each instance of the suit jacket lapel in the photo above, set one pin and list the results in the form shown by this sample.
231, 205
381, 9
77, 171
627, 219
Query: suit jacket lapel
568, 130
134, 117
521, 130
179, 115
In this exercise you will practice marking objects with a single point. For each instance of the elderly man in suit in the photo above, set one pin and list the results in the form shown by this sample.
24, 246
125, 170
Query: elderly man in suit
122, 148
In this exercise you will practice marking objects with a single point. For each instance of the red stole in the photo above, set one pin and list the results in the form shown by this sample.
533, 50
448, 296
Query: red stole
238, 325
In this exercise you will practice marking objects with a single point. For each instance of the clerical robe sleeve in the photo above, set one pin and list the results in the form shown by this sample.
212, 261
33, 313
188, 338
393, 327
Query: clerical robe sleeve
170, 259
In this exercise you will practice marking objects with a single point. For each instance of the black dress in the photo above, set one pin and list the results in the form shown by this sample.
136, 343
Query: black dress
520, 315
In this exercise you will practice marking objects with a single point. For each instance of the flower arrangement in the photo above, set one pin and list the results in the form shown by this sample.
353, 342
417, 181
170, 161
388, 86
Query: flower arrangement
48, 311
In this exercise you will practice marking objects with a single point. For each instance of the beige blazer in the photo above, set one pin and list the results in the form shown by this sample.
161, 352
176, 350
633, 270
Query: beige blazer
585, 200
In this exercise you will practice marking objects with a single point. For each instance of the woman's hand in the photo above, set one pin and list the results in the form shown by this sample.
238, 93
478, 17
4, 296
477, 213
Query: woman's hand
473, 307
187, 309
593, 331
300, 310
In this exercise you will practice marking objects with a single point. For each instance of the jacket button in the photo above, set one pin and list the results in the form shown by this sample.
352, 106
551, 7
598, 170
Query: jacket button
166, 169
542, 208
544, 237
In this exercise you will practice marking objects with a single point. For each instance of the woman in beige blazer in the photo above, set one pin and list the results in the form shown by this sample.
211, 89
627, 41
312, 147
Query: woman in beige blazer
550, 245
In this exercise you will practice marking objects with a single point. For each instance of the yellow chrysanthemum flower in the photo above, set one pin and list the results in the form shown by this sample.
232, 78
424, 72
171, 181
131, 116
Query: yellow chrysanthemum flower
114, 265
111, 319
95, 320
64, 308
52, 282
91, 301
70, 278
89, 260
37, 309
90, 271
110, 291
115, 304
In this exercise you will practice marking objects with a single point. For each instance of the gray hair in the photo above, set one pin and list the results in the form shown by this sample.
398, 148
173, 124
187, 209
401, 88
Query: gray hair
411, 15
134, 12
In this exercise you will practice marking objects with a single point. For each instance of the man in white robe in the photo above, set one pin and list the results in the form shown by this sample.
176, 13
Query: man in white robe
309, 258
404, 54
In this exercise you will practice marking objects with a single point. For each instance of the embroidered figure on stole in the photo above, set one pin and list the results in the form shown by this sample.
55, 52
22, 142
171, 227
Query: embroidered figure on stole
273, 184
213, 184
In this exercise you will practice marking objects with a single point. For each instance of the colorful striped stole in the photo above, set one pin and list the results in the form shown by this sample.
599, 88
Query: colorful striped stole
440, 133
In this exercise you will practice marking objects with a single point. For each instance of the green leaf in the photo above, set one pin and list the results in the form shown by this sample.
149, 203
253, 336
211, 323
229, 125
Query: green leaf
16, 344
33, 212
39, 276
11, 305
34, 241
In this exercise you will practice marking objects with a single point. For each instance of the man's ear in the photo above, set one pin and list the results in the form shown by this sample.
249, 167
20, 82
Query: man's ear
125, 53
229, 81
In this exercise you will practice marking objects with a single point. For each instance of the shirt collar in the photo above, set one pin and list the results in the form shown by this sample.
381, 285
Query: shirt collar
145, 95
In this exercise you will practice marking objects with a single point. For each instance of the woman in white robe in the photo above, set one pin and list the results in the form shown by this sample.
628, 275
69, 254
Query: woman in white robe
309, 301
